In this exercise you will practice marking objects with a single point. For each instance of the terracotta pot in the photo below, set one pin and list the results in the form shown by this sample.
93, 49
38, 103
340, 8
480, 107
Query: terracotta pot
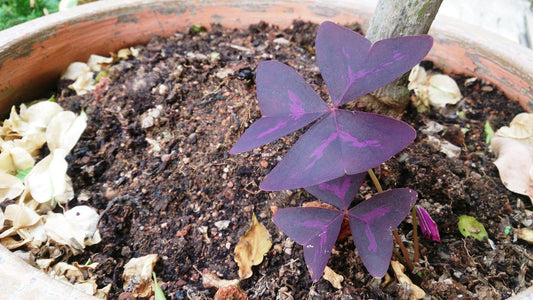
33, 55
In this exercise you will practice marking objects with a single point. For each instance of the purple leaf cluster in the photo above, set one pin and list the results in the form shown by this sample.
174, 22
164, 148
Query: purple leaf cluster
341, 142
331, 158
370, 221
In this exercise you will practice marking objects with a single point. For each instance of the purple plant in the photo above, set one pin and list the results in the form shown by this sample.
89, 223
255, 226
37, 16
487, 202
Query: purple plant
330, 160
370, 221
342, 142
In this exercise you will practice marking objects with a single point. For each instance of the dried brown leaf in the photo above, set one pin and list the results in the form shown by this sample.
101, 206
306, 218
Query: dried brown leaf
405, 281
252, 246
333, 278
138, 275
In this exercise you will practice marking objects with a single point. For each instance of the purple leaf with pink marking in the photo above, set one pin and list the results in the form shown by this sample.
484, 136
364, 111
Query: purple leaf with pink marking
287, 103
371, 222
338, 192
352, 66
343, 142
314, 228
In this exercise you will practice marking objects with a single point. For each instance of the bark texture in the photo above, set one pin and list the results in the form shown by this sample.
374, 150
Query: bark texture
394, 18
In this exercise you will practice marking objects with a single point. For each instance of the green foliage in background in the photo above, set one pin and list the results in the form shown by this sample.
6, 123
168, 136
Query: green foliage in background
13, 12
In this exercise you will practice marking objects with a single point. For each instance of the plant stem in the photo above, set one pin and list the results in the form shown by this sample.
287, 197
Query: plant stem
375, 180
394, 18
404, 251
394, 232
415, 234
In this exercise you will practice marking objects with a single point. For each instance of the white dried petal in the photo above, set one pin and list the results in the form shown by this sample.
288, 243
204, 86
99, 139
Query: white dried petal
520, 128
35, 235
10, 187
60, 231
14, 158
69, 271
31, 142
443, 90
83, 84
417, 77
44, 263
75, 228
14, 127
2, 219
437, 90
21, 216
83, 220
124, 53
75, 70
47, 179
99, 63
68, 193
65, 130
39, 114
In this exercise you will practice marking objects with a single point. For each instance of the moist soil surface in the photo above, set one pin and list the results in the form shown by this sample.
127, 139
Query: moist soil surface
154, 162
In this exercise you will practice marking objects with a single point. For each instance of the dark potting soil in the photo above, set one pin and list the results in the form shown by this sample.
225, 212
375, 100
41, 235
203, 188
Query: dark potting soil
155, 158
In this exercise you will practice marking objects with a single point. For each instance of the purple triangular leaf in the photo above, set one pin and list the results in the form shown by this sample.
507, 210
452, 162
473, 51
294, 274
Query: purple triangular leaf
371, 222
352, 67
287, 103
316, 229
338, 192
343, 142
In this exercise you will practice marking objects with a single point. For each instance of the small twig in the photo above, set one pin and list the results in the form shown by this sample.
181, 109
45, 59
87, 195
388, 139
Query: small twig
404, 251
113, 202
415, 235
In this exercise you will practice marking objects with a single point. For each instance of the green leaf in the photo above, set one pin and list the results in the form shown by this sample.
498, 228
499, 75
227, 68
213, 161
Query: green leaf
159, 295
195, 28
469, 226
13, 12
489, 132
21, 174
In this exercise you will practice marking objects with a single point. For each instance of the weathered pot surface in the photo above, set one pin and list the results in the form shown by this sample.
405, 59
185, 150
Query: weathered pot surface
33, 55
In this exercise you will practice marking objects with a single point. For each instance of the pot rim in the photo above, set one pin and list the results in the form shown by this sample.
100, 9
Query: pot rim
457, 49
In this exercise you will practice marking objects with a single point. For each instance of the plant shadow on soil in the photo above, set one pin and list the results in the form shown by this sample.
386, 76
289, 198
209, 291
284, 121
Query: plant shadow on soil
155, 154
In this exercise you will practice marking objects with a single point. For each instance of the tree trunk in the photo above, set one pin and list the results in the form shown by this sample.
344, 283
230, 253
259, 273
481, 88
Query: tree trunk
394, 18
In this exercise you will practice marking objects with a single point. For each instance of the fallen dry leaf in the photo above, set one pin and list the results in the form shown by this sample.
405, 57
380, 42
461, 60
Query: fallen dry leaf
516, 174
137, 276
511, 142
525, 234
333, 278
405, 281
252, 246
